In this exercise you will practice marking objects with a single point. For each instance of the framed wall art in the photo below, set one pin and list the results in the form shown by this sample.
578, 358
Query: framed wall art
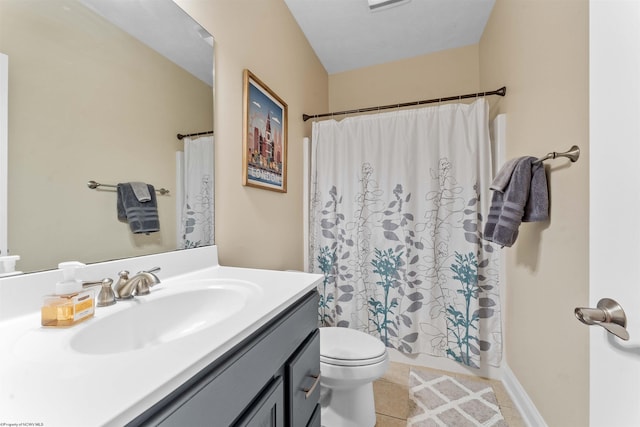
264, 159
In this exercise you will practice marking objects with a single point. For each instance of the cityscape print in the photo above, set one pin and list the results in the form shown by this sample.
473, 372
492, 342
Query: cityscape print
265, 140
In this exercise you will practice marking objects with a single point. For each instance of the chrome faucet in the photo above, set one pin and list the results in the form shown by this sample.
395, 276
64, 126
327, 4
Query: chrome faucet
139, 284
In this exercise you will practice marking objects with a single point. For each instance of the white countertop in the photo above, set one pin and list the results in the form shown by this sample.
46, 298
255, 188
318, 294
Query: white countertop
43, 380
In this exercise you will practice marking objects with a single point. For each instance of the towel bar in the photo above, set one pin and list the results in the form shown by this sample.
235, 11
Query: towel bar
93, 185
573, 154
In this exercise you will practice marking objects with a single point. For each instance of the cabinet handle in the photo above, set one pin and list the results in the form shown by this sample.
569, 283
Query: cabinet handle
309, 391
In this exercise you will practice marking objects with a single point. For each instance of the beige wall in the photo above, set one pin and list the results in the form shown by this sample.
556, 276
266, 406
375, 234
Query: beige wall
450, 72
255, 227
88, 102
539, 50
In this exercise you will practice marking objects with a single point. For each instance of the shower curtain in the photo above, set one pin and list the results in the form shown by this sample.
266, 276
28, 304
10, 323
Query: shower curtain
396, 210
196, 224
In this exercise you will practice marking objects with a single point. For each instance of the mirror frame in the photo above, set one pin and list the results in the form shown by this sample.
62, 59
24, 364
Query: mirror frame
4, 151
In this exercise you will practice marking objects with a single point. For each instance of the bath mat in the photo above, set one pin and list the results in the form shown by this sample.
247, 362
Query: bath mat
441, 400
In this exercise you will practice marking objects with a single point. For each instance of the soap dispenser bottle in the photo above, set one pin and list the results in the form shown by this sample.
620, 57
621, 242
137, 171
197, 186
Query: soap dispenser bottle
71, 303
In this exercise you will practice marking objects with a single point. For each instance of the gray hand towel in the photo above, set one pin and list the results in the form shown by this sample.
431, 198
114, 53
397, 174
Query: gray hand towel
141, 216
537, 207
503, 177
524, 198
141, 190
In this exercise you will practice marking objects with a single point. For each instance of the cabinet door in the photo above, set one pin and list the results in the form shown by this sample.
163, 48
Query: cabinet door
269, 410
304, 381
315, 418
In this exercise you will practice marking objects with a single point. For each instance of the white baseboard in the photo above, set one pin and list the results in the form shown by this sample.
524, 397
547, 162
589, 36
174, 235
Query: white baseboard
520, 398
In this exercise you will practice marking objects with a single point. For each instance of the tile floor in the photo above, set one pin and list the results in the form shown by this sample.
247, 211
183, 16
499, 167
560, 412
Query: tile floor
392, 397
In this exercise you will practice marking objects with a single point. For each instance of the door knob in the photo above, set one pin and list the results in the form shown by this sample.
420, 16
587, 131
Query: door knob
608, 314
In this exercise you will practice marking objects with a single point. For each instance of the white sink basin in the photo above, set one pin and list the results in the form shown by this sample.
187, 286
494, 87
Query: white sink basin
163, 316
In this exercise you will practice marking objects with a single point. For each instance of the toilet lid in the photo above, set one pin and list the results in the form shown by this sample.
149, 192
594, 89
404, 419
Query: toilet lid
348, 347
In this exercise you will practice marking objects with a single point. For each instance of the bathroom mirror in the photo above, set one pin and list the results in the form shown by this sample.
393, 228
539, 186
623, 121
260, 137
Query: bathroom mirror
89, 100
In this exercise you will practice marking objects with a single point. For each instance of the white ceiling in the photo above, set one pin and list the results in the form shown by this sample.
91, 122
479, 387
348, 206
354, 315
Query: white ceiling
346, 34
164, 27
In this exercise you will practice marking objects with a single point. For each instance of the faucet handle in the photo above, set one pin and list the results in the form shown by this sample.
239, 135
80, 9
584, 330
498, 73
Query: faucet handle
106, 296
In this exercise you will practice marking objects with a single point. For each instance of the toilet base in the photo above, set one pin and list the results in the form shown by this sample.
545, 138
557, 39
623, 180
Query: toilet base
348, 407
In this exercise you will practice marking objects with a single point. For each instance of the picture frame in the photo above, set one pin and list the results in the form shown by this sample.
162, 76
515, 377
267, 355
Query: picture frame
264, 140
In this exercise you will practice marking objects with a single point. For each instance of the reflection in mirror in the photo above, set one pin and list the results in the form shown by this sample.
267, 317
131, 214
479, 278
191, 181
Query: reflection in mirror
88, 101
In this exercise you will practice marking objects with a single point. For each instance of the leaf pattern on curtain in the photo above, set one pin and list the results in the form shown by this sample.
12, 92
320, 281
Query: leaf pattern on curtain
197, 220
404, 260
198, 217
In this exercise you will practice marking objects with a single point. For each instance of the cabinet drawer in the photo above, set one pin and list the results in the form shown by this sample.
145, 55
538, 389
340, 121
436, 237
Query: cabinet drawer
303, 372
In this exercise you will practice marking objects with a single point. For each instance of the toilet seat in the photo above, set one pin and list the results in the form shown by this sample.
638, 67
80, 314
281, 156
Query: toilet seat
349, 347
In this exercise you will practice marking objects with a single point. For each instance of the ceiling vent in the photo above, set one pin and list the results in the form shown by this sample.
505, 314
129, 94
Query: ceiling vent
375, 5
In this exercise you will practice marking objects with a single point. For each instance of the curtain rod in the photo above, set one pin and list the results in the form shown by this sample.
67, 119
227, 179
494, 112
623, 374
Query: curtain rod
502, 92
180, 136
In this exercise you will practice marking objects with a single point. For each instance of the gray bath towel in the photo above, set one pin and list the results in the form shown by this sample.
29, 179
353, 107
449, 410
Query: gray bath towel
141, 216
525, 198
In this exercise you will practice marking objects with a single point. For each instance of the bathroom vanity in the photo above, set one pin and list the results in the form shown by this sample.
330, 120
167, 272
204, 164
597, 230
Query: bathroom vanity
211, 345
270, 379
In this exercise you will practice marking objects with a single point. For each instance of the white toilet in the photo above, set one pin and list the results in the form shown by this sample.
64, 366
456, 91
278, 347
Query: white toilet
350, 361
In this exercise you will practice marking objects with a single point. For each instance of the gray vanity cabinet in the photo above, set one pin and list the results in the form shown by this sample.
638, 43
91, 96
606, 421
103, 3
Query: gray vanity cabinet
269, 411
268, 380
303, 372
